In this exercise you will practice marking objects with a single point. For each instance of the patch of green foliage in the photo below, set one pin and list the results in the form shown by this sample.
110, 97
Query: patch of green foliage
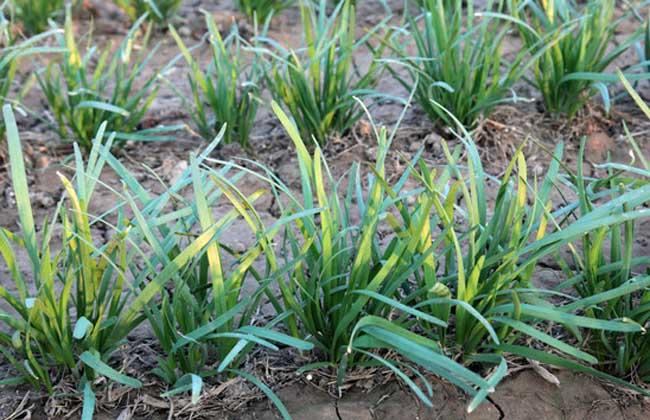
84, 90
230, 86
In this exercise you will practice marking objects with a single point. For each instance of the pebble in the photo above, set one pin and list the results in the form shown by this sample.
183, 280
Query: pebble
184, 31
42, 162
597, 147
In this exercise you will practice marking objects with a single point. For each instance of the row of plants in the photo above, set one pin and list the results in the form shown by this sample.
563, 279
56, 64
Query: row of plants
418, 275
448, 54
34, 15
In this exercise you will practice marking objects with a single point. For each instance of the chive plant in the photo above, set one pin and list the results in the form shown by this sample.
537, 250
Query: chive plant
69, 312
13, 50
81, 98
33, 15
79, 303
342, 286
480, 275
203, 318
481, 265
487, 269
569, 72
261, 10
459, 62
159, 11
230, 87
317, 84
611, 282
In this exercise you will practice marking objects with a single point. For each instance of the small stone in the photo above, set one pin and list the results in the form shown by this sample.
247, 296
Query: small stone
365, 129
224, 20
28, 150
184, 31
42, 162
431, 139
433, 142
9, 197
598, 146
